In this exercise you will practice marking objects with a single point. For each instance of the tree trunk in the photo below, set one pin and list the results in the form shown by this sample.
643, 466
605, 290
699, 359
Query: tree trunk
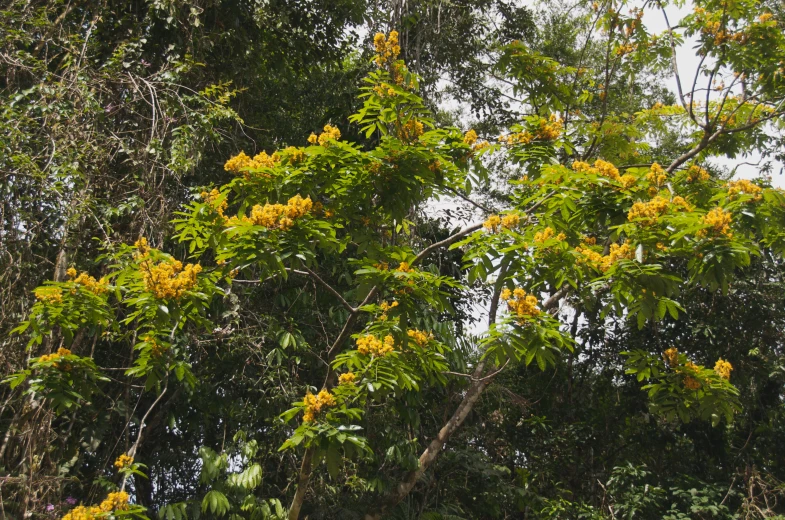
302, 484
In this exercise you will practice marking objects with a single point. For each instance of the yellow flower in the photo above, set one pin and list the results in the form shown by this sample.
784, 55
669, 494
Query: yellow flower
241, 163
520, 303
627, 181
404, 267
294, 154
648, 211
168, 278
656, 175
123, 461
49, 295
61, 352
680, 202
723, 368
511, 220
517, 138
95, 286
116, 501
420, 337
493, 223
545, 234
765, 17
370, 344
385, 307
549, 130
470, 137
237, 163
482, 145
744, 186
719, 221
313, 138
315, 403
603, 263
347, 379
211, 199
607, 169
601, 168
671, 357
330, 132
387, 49
691, 383
696, 173
82, 513
279, 216
71, 272
142, 248
411, 130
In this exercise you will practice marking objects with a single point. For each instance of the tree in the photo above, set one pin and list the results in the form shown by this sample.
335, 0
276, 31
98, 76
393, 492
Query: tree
337, 225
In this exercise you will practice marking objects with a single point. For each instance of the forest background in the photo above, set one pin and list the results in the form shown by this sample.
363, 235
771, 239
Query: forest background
539, 204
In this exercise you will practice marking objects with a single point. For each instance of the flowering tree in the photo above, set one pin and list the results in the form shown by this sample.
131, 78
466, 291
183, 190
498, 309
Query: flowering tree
581, 226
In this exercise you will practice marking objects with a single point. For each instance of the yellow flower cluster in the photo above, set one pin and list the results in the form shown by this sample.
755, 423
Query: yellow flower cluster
765, 17
278, 216
95, 286
520, 303
547, 234
510, 220
211, 199
649, 211
315, 403
241, 162
691, 383
168, 279
549, 130
517, 138
681, 203
323, 139
370, 344
671, 357
61, 352
420, 337
156, 349
493, 223
470, 137
385, 307
123, 461
656, 175
696, 173
387, 49
719, 221
603, 263
294, 154
723, 368
117, 501
744, 186
142, 248
404, 267
601, 168
627, 181
482, 145
50, 295
411, 130
347, 379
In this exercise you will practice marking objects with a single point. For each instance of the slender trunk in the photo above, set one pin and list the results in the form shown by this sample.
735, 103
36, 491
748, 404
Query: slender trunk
432, 451
302, 484
479, 382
